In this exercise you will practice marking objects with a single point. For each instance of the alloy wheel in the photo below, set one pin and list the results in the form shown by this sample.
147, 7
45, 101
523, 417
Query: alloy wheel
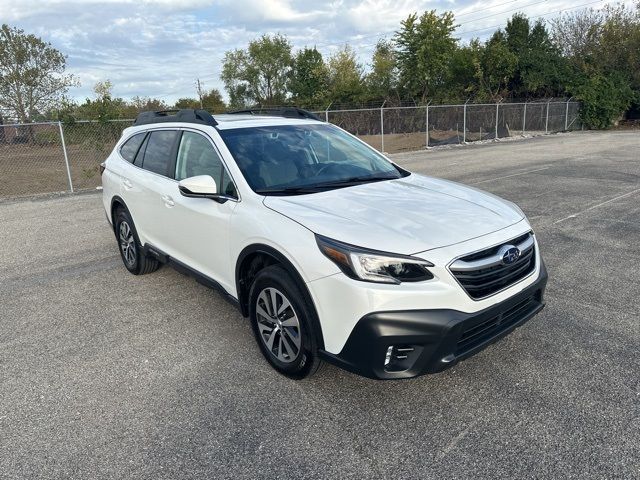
127, 244
278, 325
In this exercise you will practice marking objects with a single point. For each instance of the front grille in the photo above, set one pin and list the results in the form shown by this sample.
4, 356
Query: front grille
477, 334
482, 273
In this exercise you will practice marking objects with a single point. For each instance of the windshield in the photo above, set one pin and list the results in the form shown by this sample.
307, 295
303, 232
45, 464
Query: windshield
296, 159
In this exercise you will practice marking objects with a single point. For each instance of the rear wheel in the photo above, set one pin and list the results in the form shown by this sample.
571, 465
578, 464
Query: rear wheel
130, 249
281, 321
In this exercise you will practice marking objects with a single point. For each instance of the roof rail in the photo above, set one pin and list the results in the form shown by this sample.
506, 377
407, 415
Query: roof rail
288, 112
182, 116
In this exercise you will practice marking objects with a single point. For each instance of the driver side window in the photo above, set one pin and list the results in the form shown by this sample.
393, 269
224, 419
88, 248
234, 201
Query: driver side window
196, 156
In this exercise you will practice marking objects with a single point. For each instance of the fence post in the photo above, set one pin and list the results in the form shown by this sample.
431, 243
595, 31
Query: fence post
497, 106
427, 143
546, 123
524, 118
382, 127
566, 116
66, 158
464, 123
326, 113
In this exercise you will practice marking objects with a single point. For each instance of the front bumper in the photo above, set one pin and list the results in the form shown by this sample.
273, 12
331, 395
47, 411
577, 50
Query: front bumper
429, 341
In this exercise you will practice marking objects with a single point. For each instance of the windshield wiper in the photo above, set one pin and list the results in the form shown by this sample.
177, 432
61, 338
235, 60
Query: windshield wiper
347, 182
287, 190
316, 187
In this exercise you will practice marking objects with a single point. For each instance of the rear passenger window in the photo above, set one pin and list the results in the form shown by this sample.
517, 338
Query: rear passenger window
139, 156
129, 149
157, 155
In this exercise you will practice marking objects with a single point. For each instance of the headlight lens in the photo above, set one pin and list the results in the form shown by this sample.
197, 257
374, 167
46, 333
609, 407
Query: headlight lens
372, 266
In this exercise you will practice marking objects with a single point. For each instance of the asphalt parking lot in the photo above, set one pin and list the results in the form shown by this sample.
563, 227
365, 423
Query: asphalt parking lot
108, 375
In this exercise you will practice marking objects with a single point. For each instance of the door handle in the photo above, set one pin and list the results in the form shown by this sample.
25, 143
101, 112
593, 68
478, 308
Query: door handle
168, 201
127, 184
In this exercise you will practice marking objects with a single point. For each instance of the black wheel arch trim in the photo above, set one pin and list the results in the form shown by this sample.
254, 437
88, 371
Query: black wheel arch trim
243, 290
117, 199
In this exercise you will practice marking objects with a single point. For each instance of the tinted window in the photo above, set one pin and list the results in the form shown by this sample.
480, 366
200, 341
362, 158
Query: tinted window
196, 156
138, 161
228, 188
129, 149
304, 156
157, 155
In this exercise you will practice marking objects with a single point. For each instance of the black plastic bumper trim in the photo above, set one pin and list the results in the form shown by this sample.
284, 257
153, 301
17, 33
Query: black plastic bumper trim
434, 335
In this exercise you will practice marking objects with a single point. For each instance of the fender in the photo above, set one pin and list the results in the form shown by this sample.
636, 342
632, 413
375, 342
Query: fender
243, 290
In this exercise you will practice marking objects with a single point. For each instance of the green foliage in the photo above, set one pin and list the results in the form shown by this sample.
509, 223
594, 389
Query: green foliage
593, 55
258, 74
604, 98
603, 50
213, 102
539, 67
32, 77
382, 80
425, 46
345, 77
496, 68
103, 107
308, 78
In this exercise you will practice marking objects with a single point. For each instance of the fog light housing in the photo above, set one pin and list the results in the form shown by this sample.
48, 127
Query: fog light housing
387, 357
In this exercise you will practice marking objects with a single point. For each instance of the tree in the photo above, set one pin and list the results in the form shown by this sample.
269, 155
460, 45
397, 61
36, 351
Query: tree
619, 46
308, 78
103, 107
212, 101
345, 77
540, 69
186, 103
603, 49
32, 77
496, 67
577, 34
234, 77
604, 98
139, 104
382, 80
465, 72
425, 46
258, 74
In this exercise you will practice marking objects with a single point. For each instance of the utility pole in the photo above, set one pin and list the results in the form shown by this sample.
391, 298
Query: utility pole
199, 91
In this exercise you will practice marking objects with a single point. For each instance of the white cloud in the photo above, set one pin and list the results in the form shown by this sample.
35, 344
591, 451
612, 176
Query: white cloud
159, 47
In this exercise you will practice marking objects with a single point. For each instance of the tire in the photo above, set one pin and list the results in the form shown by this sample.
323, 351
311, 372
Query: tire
293, 351
131, 251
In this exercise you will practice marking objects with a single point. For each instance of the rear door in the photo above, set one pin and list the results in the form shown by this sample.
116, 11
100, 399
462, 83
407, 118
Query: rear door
148, 185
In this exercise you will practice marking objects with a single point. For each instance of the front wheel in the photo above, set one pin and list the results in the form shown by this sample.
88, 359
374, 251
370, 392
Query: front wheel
281, 321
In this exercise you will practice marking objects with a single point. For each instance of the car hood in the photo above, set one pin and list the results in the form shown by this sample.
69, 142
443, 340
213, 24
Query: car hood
408, 215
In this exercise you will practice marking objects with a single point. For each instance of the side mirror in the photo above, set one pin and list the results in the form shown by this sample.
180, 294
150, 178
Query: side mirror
201, 186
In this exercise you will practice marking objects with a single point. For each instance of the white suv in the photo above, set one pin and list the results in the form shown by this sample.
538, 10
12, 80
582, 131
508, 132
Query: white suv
331, 250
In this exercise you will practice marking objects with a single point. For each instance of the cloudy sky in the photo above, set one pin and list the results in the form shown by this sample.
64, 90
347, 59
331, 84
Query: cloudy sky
158, 48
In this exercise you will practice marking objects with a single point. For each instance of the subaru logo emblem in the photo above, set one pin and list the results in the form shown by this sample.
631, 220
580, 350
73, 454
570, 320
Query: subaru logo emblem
509, 254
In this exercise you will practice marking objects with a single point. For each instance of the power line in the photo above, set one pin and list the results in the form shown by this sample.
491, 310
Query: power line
537, 16
379, 35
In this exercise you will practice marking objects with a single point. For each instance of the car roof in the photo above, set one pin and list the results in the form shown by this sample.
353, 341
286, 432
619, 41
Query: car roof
227, 122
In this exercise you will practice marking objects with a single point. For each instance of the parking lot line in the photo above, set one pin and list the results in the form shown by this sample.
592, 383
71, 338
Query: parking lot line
509, 176
574, 215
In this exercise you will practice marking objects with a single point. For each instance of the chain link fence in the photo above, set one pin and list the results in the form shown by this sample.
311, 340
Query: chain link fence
39, 158
398, 129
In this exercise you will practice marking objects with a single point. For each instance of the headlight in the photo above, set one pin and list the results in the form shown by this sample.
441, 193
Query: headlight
373, 266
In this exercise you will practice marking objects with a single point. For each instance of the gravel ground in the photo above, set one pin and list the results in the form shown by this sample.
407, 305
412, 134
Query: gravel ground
108, 375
